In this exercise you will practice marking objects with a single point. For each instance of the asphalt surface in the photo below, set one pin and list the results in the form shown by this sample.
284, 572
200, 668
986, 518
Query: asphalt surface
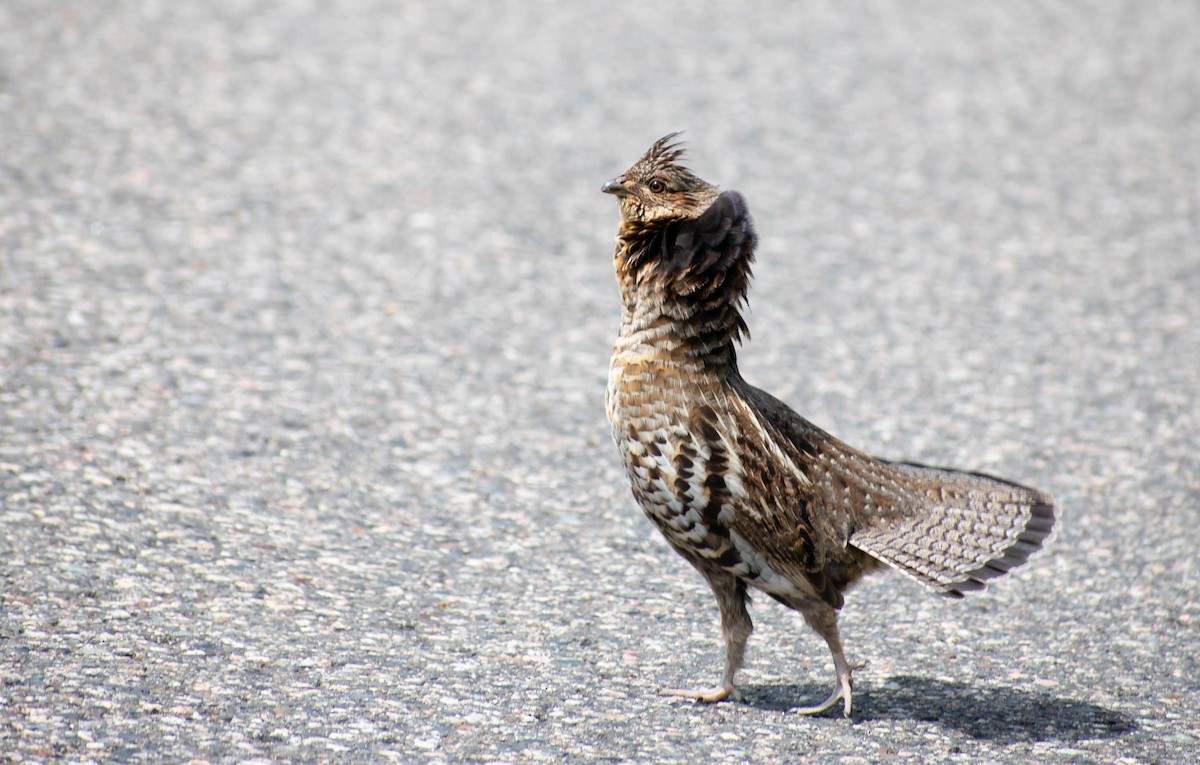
305, 311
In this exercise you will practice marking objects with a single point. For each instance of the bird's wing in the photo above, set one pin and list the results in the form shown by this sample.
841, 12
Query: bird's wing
787, 518
949, 530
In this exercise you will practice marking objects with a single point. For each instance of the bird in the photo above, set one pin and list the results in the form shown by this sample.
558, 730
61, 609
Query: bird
751, 494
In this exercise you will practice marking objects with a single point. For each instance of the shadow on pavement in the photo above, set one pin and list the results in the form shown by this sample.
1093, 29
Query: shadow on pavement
1000, 714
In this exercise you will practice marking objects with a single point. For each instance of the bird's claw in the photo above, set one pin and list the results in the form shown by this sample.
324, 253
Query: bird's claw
701, 695
840, 691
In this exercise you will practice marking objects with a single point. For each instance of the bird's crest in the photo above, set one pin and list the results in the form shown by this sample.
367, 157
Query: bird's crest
663, 158
665, 151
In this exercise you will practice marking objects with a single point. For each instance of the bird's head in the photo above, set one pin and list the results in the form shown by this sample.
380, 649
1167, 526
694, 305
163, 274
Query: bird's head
658, 189
684, 248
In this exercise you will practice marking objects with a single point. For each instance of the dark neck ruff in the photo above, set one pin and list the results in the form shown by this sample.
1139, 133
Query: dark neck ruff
684, 303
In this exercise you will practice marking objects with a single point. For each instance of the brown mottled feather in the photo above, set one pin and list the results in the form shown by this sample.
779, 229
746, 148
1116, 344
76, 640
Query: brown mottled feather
749, 492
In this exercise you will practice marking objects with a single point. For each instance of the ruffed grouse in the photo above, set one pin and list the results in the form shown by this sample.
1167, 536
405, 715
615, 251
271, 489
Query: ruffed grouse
749, 492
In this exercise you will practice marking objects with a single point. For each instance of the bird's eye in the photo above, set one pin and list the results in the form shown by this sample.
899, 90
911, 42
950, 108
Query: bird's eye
657, 186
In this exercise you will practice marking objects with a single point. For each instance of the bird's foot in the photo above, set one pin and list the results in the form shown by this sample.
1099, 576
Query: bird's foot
840, 691
703, 695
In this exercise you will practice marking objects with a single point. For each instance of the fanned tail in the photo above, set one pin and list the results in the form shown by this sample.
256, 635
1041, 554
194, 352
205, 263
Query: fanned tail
970, 528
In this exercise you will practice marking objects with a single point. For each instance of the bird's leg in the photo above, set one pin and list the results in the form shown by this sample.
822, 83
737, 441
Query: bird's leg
823, 619
736, 627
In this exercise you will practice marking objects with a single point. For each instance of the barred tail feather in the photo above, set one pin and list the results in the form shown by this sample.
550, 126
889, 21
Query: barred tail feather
969, 528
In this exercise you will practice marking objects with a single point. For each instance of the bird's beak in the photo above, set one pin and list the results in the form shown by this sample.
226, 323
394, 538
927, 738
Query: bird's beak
615, 186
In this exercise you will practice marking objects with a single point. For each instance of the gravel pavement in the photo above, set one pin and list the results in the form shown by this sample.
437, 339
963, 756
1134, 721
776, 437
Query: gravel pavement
305, 311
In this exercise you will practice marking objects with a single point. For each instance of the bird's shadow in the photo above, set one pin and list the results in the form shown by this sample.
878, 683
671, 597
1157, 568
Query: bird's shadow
1001, 714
